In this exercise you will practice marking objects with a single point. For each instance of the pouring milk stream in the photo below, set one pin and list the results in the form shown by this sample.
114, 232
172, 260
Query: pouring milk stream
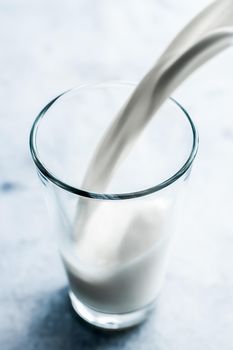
208, 34
113, 251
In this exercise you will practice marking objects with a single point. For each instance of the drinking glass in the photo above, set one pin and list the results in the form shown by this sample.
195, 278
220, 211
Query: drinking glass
114, 244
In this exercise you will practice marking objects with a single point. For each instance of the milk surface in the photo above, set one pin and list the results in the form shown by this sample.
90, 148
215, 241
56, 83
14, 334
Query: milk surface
118, 263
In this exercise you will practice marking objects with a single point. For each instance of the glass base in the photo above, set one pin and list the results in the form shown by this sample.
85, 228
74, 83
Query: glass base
109, 321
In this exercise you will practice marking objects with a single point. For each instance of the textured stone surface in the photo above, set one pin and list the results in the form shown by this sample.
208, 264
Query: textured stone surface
48, 46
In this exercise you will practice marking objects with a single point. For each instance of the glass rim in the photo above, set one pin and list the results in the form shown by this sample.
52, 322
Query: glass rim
48, 175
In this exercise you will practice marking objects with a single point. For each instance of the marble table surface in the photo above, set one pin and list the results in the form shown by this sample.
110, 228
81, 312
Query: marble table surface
48, 46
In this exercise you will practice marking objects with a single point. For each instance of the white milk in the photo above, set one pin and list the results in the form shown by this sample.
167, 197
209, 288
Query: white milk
120, 252
121, 255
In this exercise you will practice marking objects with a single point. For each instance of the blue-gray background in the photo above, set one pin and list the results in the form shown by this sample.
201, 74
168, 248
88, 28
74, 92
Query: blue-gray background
47, 46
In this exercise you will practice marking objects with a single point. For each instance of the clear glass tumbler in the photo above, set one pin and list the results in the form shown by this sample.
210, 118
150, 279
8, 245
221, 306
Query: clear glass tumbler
115, 244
